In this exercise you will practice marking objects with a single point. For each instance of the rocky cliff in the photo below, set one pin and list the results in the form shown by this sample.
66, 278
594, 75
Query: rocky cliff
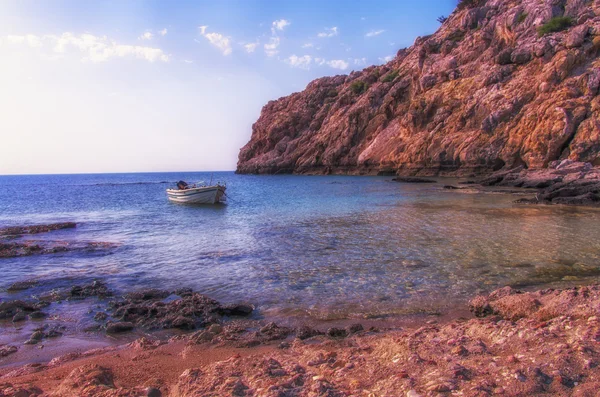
502, 83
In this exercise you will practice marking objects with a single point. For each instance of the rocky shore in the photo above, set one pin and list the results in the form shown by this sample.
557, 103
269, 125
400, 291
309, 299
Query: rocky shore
517, 344
15, 241
563, 182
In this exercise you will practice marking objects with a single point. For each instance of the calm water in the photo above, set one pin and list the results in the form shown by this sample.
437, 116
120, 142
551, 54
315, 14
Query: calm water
325, 247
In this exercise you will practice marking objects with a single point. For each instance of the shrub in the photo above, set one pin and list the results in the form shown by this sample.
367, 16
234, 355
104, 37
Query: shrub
332, 92
522, 17
463, 4
456, 36
556, 24
391, 76
358, 87
442, 19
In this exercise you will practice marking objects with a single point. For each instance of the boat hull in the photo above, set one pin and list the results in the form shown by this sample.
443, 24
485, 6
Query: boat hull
201, 195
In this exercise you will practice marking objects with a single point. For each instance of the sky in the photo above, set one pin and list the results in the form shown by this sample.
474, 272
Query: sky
156, 86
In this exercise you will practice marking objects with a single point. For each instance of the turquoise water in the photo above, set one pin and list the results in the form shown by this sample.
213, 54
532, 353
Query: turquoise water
324, 247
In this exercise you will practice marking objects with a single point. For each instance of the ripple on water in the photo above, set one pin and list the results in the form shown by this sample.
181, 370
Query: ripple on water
326, 247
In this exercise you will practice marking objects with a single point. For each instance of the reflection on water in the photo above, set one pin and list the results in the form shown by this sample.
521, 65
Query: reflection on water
328, 247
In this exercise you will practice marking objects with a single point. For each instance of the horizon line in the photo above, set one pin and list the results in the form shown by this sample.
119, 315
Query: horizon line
112, 173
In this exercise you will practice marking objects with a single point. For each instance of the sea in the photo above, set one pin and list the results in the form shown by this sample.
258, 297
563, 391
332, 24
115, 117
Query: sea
318, 248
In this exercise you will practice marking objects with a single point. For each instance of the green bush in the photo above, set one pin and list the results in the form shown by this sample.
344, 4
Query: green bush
522, 17
332, 92
391, 76
556, 24
358, 87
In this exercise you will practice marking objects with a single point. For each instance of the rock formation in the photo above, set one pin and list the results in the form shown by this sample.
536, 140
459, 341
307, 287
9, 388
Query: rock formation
502, 83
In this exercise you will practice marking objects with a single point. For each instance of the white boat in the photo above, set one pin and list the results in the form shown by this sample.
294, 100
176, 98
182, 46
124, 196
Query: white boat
196, 194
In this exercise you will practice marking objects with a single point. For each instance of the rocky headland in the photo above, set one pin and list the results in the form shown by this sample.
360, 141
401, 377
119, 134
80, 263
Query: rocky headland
502, 84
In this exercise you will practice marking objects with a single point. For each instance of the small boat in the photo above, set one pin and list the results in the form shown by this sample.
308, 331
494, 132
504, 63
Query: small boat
196, 194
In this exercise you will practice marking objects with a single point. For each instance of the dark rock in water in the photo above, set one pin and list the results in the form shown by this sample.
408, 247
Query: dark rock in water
9, 309
147, 294
451, 187
409, 179
34, 229
19, 316
28, 248
306, 332
96, 288
273, 331
337, 333
22, 285
6, 350
235, 310
185, 323
120, 327
147, 310
100, 316
37, 314
354, 328
183, 292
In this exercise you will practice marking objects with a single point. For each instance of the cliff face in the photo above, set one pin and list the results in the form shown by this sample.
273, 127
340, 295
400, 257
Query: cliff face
487, 91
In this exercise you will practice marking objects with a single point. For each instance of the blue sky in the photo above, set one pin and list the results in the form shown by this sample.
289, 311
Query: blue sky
126, 86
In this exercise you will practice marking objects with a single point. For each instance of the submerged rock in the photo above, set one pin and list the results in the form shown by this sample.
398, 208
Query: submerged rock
408, 179
34, 229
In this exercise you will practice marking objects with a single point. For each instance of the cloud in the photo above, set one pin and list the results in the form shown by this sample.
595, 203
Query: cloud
338, 64
374, 33
307, 45
146, 36
93, 48
360, 61
329, 32
163, 32
302, 62
188, 61
218, 40
319, 61
271, 47
30, 40
280, 24
251, 47
386, 59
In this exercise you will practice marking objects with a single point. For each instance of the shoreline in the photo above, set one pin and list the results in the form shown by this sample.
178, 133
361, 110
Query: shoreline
522, 343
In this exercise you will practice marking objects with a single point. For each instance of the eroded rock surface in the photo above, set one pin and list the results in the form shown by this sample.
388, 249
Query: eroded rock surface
486, 92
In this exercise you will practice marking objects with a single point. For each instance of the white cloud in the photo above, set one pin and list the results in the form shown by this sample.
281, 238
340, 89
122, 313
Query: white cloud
307, 45
386, 59
319, 61
360, 61
302, 62
329, 32
188, 61
280, 24
338, 64
271, 47
146, 36
218, 40
30, 39
163, 32
251, 47
93, 48
374, 33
